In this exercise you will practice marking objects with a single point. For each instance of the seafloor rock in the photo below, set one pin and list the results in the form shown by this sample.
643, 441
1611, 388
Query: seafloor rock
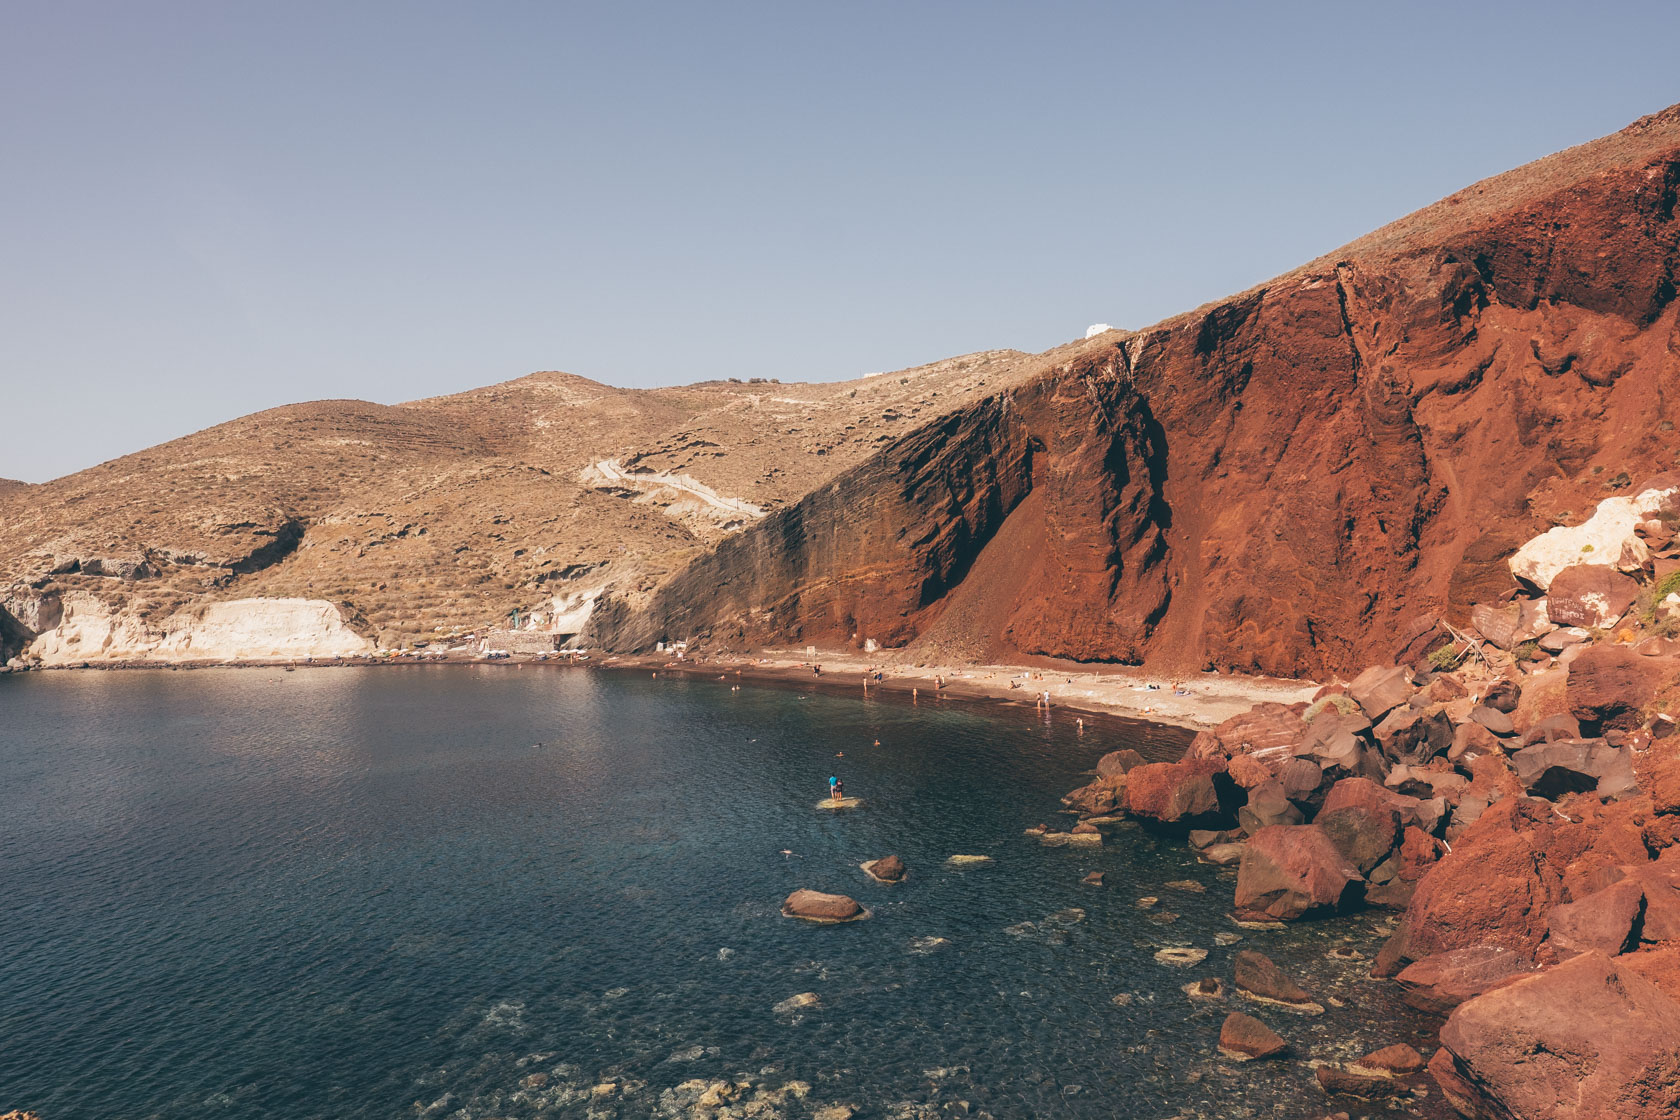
815, 906
1587, 1040
798, 1003
1291, 870
1440, 982
1259, 979
1243, 1037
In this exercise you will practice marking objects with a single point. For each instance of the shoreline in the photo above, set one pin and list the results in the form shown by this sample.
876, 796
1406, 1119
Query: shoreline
1115, 691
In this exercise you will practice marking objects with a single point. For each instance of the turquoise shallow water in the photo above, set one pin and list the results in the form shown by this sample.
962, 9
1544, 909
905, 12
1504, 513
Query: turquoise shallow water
404, 892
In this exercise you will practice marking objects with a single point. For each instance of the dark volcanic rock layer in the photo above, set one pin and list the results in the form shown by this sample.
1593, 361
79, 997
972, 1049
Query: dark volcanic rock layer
1276, 483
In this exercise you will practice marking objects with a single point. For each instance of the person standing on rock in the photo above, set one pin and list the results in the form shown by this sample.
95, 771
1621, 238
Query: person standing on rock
833, 788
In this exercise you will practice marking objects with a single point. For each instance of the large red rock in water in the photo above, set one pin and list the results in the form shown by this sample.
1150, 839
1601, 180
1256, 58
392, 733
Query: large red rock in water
1175, 792
1588, 1040
1291, 870
1244, 1037
815, 906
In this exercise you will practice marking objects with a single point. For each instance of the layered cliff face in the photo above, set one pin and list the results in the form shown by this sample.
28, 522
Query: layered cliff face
1276, 483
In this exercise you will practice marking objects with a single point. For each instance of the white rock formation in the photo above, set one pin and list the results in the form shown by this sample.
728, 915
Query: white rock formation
237, 630
1095, 329
1605, 538
681, 497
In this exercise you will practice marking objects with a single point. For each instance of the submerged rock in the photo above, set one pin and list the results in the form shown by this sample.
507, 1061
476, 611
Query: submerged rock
1181, 958
1208, 987
1392, 1061
798, 1003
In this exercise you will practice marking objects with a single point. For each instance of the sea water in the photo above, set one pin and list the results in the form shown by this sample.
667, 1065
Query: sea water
453, 891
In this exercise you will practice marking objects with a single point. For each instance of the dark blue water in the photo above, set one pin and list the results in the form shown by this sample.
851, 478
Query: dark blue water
369, 893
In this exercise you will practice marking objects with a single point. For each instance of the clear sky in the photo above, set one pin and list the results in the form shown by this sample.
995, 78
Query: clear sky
213, 208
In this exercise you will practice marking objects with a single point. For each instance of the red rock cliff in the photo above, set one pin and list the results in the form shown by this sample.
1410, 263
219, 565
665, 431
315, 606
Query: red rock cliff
1275, 483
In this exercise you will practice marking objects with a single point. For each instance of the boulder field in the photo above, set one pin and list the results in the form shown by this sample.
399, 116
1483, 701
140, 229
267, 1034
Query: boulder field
1512, 786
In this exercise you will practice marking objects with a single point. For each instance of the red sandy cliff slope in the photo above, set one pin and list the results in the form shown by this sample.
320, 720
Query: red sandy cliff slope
1275, 483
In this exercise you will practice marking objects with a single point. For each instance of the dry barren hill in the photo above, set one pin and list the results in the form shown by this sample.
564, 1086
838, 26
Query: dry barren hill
1277, 482
447, 513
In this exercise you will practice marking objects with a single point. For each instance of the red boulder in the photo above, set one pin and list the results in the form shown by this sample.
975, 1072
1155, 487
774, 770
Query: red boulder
1588, 1040
1291, 870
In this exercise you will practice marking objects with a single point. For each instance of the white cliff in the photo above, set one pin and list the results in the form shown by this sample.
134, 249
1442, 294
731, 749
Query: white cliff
237, 630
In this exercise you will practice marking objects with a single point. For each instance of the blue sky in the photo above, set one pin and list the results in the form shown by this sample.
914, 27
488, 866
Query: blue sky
212, 208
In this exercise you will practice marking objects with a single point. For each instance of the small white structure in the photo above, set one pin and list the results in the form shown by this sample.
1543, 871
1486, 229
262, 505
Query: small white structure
1095, 329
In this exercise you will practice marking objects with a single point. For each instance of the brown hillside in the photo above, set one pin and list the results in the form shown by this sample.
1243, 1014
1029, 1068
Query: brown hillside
447, 513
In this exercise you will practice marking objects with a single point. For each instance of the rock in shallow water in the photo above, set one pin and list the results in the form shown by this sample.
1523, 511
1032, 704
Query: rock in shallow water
1260, 980
815, 906
798, 1003
1243, 1037
887, 869
1181, 958
1366, 1086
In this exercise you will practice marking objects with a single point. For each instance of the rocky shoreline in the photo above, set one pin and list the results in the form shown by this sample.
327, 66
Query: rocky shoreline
1514, 790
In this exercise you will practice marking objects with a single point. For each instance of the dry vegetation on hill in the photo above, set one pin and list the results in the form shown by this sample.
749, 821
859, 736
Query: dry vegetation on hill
448, 513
